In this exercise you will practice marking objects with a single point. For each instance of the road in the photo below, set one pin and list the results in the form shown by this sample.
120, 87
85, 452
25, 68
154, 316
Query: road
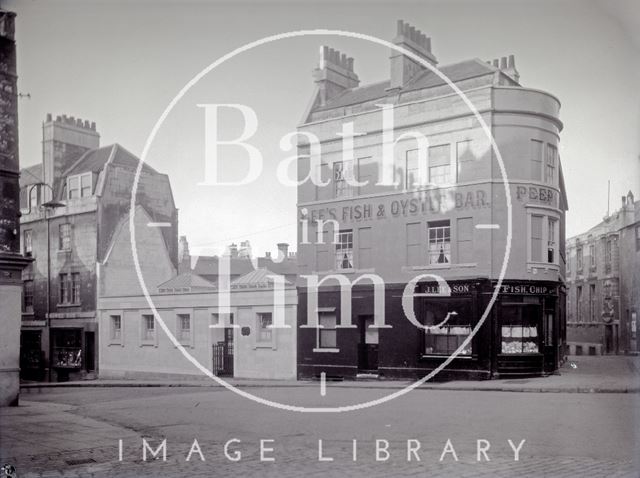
566, 434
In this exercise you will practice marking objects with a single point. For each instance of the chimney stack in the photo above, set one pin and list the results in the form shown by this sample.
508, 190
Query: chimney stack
508, 66
404, 68
283, 250
334, 74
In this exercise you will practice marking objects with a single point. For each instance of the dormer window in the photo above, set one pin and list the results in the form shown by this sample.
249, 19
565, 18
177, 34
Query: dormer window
79, 186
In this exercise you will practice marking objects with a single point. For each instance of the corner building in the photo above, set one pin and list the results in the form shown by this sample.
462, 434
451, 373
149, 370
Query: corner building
445, 218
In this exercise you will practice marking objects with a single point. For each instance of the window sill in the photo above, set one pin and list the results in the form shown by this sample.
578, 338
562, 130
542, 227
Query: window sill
115, 344
148, 344
446, 356
264, 345
326, 350
429, 267
63, 251
68, 304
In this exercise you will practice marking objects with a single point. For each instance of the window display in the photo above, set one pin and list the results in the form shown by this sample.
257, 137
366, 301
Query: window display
67, 349
519, 330
450, 326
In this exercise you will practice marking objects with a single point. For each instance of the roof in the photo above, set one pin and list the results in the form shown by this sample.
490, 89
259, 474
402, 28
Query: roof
31, 175
287, 267
187, 280
208, 266
258, 278
95, 159
426, 79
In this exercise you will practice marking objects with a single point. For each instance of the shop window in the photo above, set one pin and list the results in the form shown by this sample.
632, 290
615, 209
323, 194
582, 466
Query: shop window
116, 328
440, 164
27, 297
148, 329
184, 328
519, 329
344, 249
67, 348
27, 237
327, 334
343, 175
592, 302
450, 322
265, 332
64, 237
439, 233
550, 165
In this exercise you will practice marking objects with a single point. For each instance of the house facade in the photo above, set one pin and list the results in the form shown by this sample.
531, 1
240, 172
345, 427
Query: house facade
395, 276
603, 284
236, 341
71, 204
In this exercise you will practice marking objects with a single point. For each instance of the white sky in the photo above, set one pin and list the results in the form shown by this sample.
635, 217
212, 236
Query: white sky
120, 64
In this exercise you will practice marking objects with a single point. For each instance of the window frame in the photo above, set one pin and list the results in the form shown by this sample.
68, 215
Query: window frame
341, 248
148, 336
115, 339
27, 296
445, 227
27, 239
346, 190
63, 288
550, 164
323, 330
430, 337
79, 189
260, 329
64, 240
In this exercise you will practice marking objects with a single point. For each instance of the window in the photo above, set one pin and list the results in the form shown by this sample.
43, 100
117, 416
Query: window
439, 233
184, 327
467, 166
536, 238
592, 256
637, 238
265, 320
450, 322
364, 248
327, 334
64, 237
414, 248
568, 262
148, 328
116, 327
34, 197
27, 296
579, 303
579, 258
342, 173
63, 288
607, 254
413, 177
367, 173
551, 241
344, 250
536, 159
75, 288
519, 329
79, 186
592, 302
27, 237
464, 231
440, 164
550, 165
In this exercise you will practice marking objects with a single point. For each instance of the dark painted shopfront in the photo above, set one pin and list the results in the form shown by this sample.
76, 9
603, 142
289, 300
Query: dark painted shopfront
519, 336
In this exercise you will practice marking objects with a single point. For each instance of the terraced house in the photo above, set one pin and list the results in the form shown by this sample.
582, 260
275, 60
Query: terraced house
72, 203
419, 259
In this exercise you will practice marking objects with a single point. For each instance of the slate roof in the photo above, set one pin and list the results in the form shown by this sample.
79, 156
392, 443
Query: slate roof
31, 175
207, 266
426, 79
187, 280
95, 159
258, 278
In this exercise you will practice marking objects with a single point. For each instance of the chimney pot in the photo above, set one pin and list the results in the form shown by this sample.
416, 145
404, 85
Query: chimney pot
87, 124
48, 117
512, 61
503, 63
93, 125
79, 123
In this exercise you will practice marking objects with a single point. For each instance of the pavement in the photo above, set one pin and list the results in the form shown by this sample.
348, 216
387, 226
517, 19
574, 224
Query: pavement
579, 374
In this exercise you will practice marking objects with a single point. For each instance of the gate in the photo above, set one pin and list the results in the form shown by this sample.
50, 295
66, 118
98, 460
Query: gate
223, 359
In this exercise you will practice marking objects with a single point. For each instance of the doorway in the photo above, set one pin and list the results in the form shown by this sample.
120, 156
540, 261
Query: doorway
367, 345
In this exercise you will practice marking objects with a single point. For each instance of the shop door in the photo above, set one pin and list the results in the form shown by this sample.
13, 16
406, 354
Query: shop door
90, 351
367, 345
223, 355
31, 355
550, 349
611, 338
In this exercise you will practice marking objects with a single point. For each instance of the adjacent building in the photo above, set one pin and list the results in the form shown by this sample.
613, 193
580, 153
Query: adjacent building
445, 216
11, 261
603, 284
237, 342
72, 204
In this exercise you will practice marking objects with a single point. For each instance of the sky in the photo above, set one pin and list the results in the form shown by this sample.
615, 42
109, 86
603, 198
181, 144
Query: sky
120, 64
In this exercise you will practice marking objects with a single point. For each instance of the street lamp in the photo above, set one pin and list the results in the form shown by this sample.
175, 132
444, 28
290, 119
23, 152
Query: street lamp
47, 207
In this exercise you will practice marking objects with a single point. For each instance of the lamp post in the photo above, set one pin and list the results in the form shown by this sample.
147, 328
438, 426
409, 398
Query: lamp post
47, 207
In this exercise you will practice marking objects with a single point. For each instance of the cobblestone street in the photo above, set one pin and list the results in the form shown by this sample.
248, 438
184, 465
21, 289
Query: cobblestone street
76, 432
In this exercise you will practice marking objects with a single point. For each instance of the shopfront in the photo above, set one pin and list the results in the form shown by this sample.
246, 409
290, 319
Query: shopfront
73, 353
